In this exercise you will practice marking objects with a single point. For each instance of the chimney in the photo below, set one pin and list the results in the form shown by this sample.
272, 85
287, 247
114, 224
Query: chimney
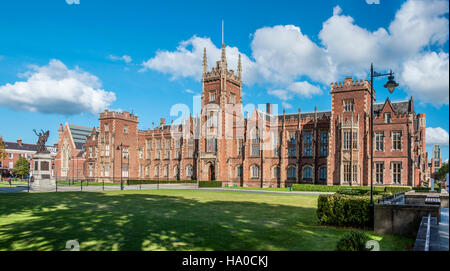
19, 141
269, 108
162, 121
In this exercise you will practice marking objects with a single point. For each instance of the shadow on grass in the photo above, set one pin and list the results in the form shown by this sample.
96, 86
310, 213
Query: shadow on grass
145, 221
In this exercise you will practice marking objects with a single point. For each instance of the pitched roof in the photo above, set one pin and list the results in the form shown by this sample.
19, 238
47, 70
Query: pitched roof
24, 147
320, 114
399, 107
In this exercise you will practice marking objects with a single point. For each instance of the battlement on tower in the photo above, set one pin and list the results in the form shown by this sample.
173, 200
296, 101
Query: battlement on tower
118, 115
350, 85
221, 69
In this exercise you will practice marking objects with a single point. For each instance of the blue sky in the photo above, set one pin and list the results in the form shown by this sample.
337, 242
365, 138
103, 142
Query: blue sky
145, 56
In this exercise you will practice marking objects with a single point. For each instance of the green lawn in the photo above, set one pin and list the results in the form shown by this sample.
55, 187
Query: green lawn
168, 220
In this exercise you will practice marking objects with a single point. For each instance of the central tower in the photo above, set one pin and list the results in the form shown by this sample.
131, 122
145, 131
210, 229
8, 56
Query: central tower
221, 88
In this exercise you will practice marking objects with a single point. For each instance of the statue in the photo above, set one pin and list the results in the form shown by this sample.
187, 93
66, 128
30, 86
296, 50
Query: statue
43, 136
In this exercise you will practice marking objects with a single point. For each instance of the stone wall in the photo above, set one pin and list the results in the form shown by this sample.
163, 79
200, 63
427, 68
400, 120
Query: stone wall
418, 198
402, 219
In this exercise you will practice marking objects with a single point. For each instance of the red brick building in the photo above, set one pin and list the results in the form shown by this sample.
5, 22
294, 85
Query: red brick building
261, 148
15, 150
69, 161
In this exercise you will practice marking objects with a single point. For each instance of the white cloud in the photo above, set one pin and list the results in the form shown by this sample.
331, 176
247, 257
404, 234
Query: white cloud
427, 77
282, 94
125, 58
301, 89
190, 91
56, 89
286, 105
304, 89
436, 136
416, 25
282, 55
186, 60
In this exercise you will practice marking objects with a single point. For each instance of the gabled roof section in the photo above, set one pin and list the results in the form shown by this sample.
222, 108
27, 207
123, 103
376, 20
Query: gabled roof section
399, 107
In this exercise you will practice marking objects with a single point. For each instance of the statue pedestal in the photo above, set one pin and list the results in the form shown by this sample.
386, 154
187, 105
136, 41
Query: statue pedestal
42, 172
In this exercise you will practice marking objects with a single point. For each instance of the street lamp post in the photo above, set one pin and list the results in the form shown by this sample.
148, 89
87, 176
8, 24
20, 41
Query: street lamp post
68, 171
120, 147
390, 85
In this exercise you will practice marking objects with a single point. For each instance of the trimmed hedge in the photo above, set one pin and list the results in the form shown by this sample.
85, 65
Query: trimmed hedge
344, 210
397, 189
331, 188
210, 184
426, 189
352, 241
315, 187
134, 182
360, 192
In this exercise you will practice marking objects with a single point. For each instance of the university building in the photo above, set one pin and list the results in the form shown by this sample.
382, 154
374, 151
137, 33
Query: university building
259, 148
18, 149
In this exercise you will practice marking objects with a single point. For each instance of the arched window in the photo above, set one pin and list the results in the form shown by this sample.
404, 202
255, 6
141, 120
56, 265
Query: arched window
276, 172
157, 171
307, 172
175, 172
291, 172
254, 136
323, 173
239, 171
254, 171
166, 171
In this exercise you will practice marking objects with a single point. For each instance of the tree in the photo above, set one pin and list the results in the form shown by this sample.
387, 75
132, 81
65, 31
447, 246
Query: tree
22, 167
441, 173
2, 149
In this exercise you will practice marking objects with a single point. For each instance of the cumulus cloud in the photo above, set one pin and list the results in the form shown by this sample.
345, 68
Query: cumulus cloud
286, 105
301, 89
402, 47
186, 60
54, 88
282, 55
125, 58
436, 136
427, 77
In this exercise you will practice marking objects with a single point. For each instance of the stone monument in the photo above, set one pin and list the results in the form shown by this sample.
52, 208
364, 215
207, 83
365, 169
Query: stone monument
42, 170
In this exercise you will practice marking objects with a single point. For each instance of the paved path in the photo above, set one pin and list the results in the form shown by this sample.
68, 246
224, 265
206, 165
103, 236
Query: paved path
73, 188
266, 191
443, 229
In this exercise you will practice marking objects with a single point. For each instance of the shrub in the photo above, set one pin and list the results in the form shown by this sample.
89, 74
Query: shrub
397, 189
210, 184
134, 182
344, 210
332, 188
352, 241
426, 189
315, 187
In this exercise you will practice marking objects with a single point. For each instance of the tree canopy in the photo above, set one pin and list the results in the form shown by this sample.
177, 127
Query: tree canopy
2, 149
442, 172
22, 167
